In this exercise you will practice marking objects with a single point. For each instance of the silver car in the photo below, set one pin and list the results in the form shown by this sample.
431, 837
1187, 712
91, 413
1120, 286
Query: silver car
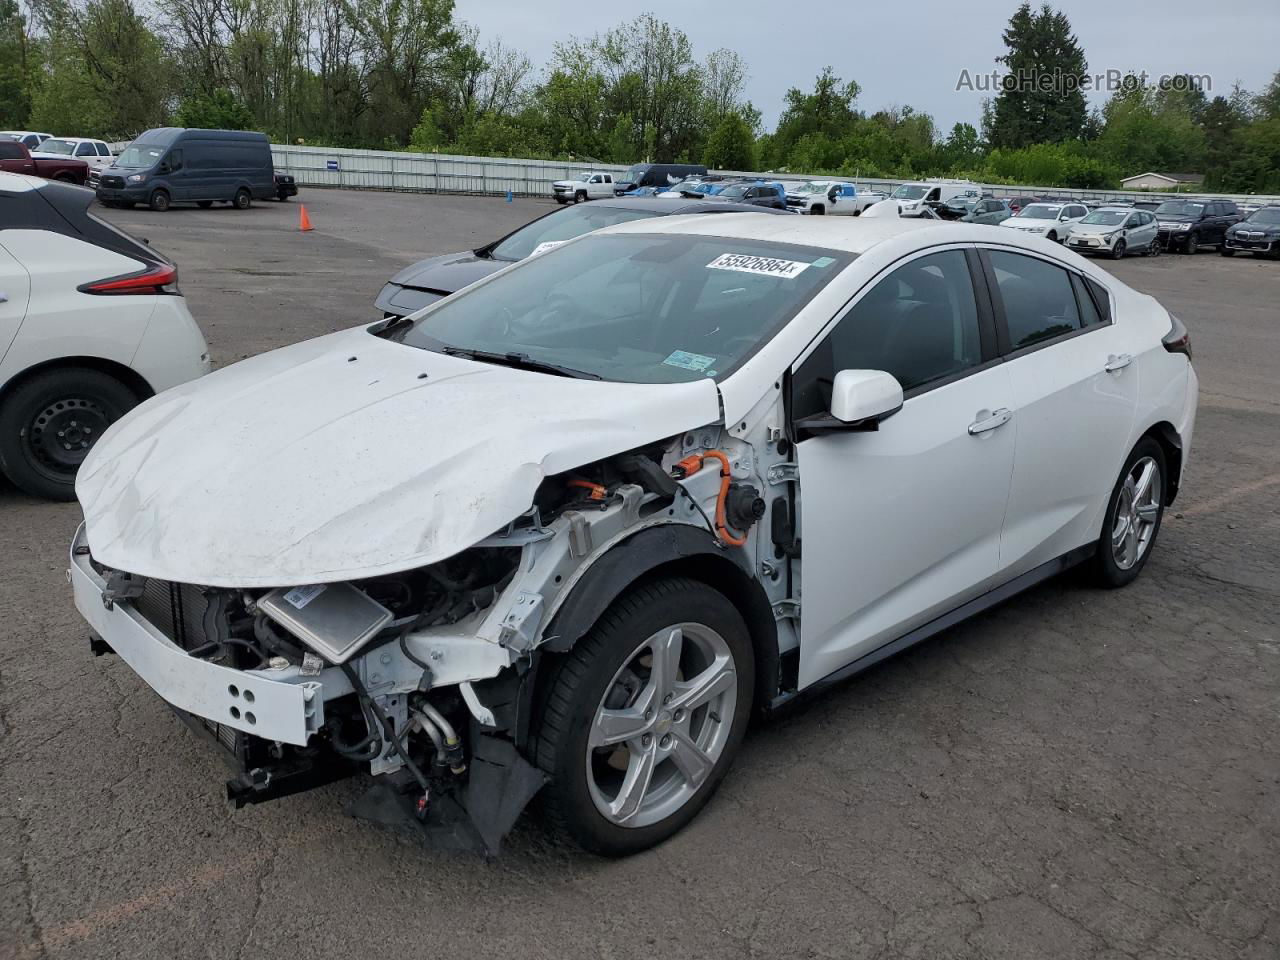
1115, 231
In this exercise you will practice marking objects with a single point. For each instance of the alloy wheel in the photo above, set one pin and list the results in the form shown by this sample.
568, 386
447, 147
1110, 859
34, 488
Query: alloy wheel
661, 725
1137, 513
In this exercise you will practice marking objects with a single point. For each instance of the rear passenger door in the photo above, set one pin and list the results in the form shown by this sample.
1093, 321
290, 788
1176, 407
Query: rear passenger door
1075, 393
15, 290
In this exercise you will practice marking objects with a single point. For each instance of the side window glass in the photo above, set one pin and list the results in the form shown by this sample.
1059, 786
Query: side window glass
104, 150
1101, 297
1039, 303
920, 323
85, 150
1089, 315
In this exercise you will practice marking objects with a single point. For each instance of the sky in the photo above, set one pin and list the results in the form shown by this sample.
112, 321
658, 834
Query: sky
914, 51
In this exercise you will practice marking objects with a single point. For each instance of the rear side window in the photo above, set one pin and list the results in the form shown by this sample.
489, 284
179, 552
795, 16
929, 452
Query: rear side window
1089, 313
103, 150
1039, 302
11, 150
85, 150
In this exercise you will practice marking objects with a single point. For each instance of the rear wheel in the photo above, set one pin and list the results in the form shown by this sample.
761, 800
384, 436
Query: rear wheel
1154, 248
243, 199
49, 423
159, 200
1133, 516
642, 719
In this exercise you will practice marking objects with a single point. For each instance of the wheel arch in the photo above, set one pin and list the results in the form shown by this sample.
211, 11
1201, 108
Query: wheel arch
670, 550
126, 375
1165, 434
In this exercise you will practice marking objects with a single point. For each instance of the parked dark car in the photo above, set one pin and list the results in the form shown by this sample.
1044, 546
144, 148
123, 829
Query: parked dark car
286, 187
428, 280
1017, 203
1187, 225
185, 165
1258, 233
759, 193
16, 158
661, 175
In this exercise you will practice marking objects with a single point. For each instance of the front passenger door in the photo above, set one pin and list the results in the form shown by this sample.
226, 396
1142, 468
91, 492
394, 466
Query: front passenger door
15, 291
901, 524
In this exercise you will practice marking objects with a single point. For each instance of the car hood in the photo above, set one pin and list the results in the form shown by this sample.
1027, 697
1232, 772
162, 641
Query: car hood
1175, 217
448, 273
336, 459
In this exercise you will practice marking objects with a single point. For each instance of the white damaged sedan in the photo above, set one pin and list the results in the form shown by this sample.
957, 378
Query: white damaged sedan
567, 529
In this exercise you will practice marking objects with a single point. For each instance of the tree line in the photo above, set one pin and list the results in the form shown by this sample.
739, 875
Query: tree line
408, 74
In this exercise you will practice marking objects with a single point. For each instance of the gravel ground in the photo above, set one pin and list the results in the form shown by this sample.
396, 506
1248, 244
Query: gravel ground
1074, 774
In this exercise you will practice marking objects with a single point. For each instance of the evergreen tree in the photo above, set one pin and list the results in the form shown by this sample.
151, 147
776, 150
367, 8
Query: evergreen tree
1041, 101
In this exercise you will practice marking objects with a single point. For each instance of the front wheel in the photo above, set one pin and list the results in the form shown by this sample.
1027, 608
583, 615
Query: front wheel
1226, 251
1117, 252
243, 199
818, 210
1193, 243
1053, 236
579, 197
1133, 516
49, 423
641, 720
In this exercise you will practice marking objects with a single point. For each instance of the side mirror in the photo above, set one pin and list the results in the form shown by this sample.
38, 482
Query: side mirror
860, 399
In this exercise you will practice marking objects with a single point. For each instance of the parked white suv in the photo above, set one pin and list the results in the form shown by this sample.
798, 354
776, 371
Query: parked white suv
91, 324
1053, 221
568, 528
95, 153
588, 186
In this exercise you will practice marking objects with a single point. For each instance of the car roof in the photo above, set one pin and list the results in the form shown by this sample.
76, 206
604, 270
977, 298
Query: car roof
668, 206
852, 234
19, 183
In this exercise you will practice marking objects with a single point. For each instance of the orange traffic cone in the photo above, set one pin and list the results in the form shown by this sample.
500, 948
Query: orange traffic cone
304, 222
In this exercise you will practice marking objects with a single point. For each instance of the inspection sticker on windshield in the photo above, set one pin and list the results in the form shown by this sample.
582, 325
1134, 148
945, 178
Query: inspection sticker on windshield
545, 246
299, 597
766, 266
688, 361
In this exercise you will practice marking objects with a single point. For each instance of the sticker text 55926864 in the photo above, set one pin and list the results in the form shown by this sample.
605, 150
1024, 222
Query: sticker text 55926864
765, 266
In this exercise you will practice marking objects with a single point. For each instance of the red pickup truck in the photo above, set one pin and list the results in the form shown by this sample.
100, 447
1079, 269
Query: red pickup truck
16, 158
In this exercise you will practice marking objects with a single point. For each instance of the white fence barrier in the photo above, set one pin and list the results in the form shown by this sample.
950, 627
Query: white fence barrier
446, 173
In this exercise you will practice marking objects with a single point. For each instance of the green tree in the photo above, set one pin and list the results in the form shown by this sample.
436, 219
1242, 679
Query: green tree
731, 145
825, 115
220, 110
1041, 100
1268, 101
16, 66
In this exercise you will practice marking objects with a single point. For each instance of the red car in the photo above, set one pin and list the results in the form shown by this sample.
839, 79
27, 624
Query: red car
16, 158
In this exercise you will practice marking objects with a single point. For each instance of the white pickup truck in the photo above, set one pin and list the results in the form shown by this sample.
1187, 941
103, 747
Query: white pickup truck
831, 198
588, 186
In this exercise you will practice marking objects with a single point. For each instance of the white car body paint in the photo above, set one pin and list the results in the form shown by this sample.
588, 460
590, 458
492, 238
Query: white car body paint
320, 467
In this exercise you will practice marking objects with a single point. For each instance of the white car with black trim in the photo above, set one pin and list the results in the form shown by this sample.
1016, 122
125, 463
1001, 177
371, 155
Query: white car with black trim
91, 324
569, 527
1115, 231
1053, 221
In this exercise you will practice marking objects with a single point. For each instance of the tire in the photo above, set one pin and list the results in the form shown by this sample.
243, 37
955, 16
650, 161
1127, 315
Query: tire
1053, 235
243, 199
1118, 565
159, 201
204, 204
1154, 248
606, 667
579, 197
1192, 244
75, 401
817, 210
282, 196
1117, 252
1226, 252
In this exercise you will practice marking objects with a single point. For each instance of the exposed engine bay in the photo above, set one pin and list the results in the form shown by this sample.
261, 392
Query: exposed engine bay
426, 678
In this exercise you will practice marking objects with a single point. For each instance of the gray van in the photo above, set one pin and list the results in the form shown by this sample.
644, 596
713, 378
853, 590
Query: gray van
185, 165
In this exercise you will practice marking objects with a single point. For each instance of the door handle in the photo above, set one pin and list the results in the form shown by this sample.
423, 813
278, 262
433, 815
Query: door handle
997, 418
1115, 362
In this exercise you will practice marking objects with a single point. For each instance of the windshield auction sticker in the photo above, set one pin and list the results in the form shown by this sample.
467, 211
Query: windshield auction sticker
689, 361
764, 266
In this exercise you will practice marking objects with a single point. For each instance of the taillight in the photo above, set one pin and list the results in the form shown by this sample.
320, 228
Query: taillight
1177, 340
157, 278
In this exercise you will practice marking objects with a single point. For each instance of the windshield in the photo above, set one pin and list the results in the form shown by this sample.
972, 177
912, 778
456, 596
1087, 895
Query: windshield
962, 203
909, 191
139, 155
813, 186
1040, 211
734, 191
563, 225
1180, 208
689, 186
635, 308
635, 174
62, 147
1264, 215
1106, 218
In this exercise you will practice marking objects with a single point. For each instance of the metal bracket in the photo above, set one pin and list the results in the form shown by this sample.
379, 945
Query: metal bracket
520, 626
579, 534
122, 586
784, 473
483, 715
786, 610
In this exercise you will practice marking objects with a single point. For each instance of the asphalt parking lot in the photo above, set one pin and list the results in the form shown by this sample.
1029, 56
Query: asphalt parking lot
1075, 774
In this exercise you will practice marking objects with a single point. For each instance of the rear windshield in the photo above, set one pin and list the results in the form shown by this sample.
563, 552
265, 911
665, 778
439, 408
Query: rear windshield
635, 308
